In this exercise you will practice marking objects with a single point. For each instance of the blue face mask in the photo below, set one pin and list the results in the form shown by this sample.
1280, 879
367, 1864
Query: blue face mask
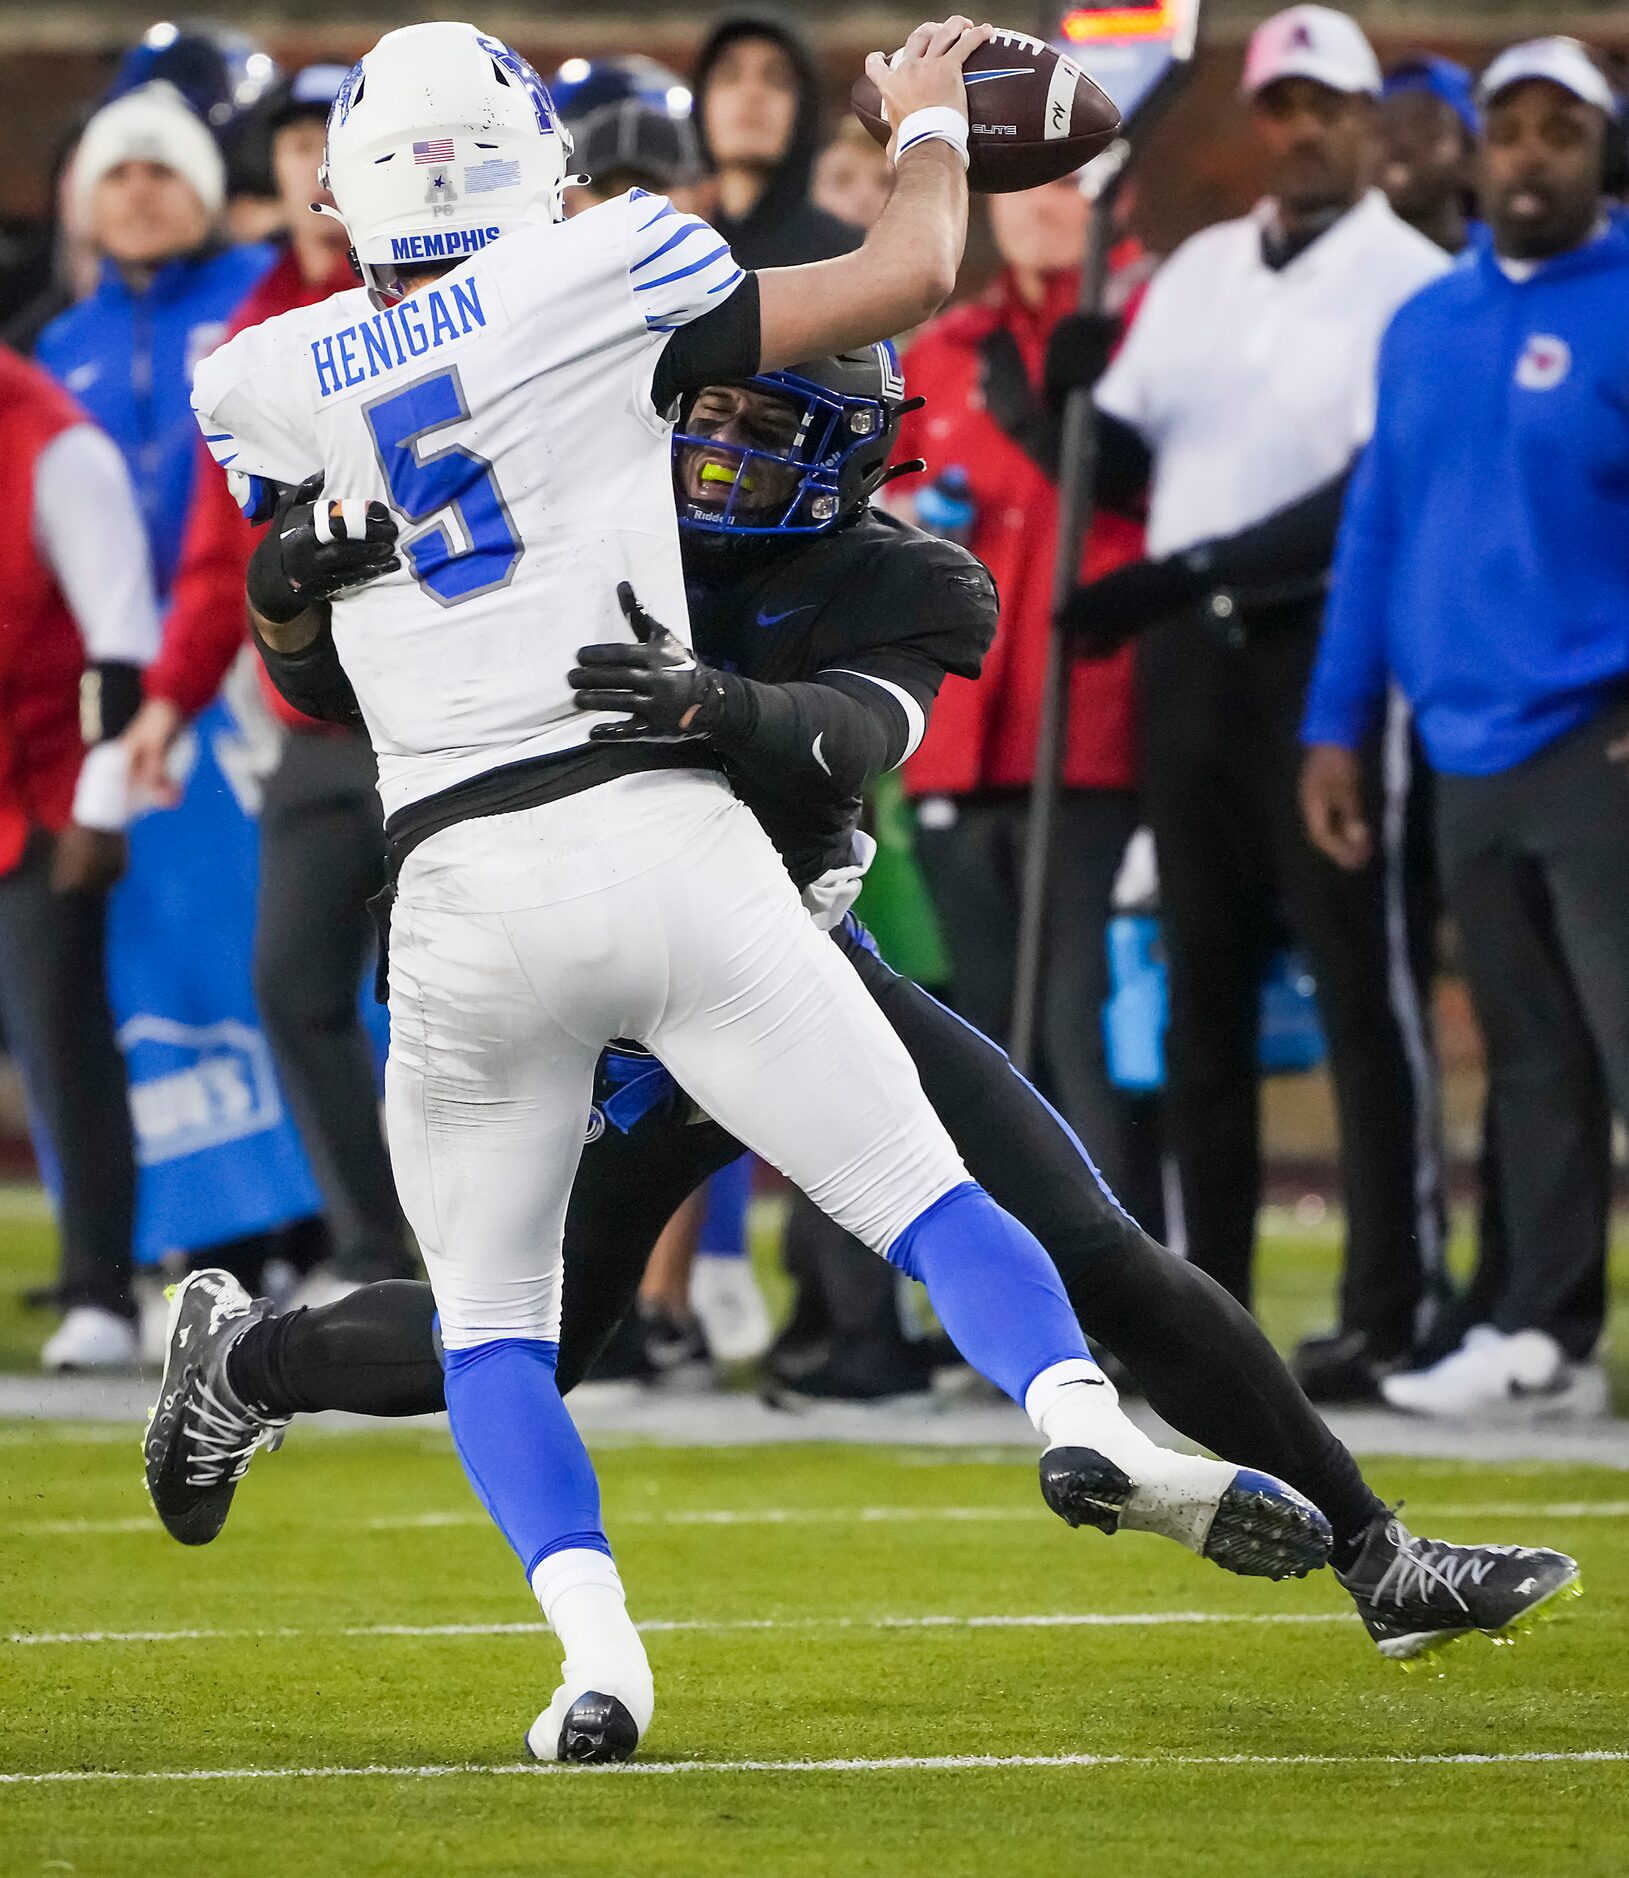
835, 457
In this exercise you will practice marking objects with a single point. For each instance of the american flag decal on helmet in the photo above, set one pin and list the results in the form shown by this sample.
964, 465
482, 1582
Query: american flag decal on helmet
437, 150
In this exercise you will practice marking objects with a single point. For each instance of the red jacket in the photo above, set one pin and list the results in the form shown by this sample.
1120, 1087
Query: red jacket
983, 734
208, 619
41, 655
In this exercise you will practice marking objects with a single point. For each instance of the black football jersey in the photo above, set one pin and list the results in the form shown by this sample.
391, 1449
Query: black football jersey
879, 610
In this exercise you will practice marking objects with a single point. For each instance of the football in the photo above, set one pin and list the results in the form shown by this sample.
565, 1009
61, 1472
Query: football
1035, 115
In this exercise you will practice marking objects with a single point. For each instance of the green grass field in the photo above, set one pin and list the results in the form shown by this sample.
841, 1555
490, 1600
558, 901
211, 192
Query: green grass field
807, 1606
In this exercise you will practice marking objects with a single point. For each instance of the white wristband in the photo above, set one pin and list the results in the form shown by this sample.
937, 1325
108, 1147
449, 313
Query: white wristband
941, 123
102, 796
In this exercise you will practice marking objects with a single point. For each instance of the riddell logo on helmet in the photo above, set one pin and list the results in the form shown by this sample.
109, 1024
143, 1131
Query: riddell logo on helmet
440, 246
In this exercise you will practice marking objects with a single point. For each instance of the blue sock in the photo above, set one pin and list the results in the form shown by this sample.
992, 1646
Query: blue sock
992, 1286
521, 1450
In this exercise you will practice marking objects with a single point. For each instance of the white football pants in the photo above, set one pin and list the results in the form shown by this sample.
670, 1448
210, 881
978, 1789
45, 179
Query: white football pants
652, 908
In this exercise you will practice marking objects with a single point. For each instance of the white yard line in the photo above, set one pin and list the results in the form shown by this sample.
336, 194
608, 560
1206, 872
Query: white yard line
925, 1763
752, 1516
1065, 1620
146, 1524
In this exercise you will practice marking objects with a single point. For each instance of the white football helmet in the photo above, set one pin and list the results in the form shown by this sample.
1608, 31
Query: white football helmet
440, 140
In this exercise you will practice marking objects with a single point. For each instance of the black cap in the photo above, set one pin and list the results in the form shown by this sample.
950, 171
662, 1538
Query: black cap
632, 137
309, 92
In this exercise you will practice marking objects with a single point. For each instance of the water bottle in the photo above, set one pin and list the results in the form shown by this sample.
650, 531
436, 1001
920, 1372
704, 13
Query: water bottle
946, 506
1138, 1005
1292, 1039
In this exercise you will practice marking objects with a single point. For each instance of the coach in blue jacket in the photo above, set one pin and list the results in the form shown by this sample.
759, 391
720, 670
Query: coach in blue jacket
1484, 567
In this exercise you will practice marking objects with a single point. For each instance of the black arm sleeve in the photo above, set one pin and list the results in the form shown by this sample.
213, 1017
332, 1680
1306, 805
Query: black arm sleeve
109, 696
1124, 467
720, 347
313, 680
923, 610
1292, 549
830, 736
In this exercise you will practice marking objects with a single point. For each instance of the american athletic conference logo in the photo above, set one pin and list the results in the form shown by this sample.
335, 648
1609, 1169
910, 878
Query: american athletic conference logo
1544, 363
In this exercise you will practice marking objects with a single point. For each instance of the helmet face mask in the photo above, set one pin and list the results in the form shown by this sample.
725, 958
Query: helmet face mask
845, 412
441, 140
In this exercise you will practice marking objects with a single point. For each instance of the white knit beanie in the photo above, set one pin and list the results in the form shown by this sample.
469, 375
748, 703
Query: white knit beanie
151, 125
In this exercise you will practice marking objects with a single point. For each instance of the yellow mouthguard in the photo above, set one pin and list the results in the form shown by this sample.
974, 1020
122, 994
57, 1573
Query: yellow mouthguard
721, 473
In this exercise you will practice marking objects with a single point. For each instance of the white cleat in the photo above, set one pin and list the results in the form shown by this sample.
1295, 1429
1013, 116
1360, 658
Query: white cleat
1101, 1470
1496, 1377
725, 1296
90, 1338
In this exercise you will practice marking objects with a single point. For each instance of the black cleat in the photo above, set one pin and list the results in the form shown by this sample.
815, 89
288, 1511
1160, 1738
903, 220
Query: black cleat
1084, 1488
200, 1437
1339, 1368
1241, 1520
1418, 1595
598, 1731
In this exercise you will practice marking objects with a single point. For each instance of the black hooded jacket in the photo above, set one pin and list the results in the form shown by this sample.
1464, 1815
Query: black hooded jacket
783, 228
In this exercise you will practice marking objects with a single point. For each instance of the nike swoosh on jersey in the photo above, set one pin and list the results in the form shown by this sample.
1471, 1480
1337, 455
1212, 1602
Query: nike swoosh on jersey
820, 738
774, 619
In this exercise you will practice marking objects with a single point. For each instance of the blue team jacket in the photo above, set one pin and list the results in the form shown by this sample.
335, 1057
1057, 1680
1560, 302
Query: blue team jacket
218, 1152
1484, 552
129, 357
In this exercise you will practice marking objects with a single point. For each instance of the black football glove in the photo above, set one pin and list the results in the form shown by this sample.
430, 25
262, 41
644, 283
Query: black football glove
1078, 354
666, 691
1102, 615
309, 553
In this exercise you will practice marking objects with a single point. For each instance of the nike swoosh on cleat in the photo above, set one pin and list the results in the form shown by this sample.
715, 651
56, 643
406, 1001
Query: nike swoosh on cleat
816, 753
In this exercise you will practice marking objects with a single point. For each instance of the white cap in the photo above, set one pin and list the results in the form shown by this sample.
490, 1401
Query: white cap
1311, 42
1563, 62
151, 125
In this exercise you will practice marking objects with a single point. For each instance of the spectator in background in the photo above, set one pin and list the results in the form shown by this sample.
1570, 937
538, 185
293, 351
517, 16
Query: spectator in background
1246, 377
80, 624
757, 112
224, 76
321, 827
1480, 567
148, 187
989, 436
1429, 125
852, 175
221, 1165
1428, 128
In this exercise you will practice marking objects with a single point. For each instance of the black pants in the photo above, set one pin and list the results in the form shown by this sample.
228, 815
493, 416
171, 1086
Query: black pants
1535, 864
1222, 759
53, 992
322, 854
973, 869
1202, 1360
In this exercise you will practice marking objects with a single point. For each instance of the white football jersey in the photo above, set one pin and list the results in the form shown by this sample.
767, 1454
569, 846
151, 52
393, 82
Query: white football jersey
504, 413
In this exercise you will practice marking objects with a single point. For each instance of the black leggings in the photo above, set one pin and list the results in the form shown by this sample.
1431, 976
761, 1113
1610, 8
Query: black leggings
1200, 1357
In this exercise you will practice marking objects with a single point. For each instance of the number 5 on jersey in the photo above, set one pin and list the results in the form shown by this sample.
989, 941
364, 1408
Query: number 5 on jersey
472, 548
